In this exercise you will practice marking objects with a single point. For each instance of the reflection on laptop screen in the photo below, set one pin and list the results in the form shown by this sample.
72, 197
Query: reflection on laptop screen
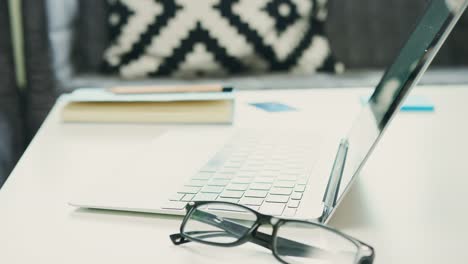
413, 60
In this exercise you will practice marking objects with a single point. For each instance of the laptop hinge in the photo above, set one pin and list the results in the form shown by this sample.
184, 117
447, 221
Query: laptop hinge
333, 186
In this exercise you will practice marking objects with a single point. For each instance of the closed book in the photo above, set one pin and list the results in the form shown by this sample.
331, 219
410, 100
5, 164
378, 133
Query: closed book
100, 105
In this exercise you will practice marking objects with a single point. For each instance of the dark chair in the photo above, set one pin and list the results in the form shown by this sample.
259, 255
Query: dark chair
11, 140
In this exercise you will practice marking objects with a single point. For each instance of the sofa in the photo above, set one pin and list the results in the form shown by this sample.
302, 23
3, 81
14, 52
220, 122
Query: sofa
10, 110
65, 40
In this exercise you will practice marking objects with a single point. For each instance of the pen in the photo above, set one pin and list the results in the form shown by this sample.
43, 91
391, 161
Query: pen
169, 89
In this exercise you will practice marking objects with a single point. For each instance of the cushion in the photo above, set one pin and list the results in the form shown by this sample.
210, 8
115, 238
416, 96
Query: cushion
186, 38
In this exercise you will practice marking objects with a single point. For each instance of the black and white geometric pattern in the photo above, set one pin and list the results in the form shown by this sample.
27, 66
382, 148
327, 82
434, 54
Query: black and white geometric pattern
189, 38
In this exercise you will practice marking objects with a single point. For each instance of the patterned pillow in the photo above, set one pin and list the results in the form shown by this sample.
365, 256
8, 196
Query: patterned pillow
190, 38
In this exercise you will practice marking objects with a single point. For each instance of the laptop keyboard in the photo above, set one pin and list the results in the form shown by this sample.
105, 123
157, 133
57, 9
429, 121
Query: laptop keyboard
266, 172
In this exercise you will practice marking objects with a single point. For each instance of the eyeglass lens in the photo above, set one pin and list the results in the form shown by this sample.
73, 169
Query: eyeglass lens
314, 244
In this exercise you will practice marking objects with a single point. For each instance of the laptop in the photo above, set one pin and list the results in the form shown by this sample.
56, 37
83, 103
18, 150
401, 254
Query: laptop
275, 172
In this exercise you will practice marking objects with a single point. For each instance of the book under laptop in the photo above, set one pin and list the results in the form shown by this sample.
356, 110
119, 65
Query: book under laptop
272, 172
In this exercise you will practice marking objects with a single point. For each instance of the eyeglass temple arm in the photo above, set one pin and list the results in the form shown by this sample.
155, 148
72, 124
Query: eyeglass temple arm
259, 238
292, 248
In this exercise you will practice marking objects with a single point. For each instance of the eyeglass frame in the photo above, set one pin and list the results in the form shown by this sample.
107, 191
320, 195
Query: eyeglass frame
365, 253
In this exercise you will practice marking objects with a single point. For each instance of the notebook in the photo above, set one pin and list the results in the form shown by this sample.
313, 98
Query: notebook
101, 105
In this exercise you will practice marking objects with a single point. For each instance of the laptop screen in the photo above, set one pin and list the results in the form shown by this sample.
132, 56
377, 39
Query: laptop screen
413, 60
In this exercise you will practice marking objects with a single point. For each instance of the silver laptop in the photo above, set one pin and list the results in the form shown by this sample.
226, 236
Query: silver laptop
276, 173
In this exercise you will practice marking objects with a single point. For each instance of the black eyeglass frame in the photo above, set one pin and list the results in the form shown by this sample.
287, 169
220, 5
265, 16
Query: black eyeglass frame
365, 254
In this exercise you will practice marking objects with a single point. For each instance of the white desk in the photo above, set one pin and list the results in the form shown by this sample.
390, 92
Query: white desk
409, 202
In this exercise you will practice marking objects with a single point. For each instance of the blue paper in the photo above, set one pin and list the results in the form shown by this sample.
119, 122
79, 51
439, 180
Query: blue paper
413, 103
273, 107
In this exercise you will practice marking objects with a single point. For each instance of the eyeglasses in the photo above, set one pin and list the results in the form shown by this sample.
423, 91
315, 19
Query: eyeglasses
226, 224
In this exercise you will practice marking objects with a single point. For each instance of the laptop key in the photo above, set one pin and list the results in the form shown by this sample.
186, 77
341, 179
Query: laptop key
294, 203
260, 186
289, 172
176, 197
223, 207
212, 189
296, 196
205, 197
229, 200
281, 191
210, 167
300, 188
241, 180
189, 189
246, 174
228, 170
256, 193
277, 198
222, 176
232, 194
237, 187
188, 197
233, 164
270, 173
286, 184
286, 177
289, 212
272, 208
263, 179
218, 182
251, 201
176, 205
196, 183
302, 181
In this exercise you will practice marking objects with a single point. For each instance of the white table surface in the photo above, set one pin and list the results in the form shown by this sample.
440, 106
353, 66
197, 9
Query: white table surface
409, 202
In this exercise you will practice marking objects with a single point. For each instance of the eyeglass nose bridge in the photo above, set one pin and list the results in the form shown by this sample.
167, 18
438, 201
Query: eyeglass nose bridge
268, 220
